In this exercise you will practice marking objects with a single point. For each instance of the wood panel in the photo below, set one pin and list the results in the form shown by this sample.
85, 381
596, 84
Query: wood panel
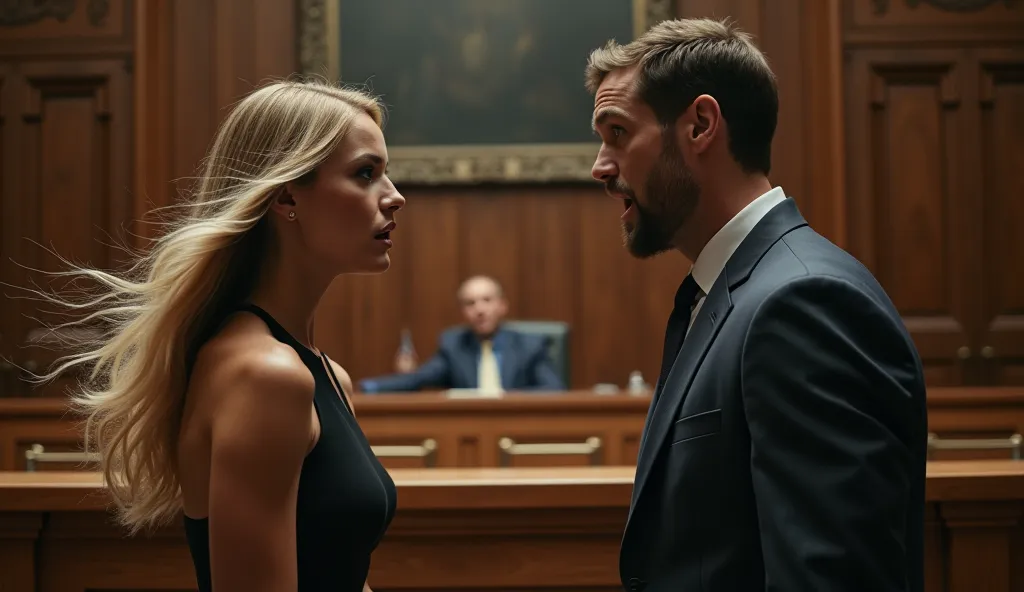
927, 91
66, 113
910, 225
958, 414
911, 22
998, 79
69, 127
480, 529
469, 432
55, 28
196, 59
8, 314
556, 248
933, 105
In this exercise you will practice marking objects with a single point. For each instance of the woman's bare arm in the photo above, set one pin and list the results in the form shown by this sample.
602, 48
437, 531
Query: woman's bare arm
261, 431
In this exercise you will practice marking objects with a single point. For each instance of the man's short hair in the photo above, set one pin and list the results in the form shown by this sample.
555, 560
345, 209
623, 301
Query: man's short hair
682, 59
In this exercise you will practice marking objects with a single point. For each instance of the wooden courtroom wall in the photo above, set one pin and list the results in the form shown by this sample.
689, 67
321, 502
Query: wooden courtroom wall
558, 249
935, 142
66, 122
103, 121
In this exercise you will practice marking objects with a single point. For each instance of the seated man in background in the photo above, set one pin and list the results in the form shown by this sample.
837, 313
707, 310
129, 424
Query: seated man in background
482, 355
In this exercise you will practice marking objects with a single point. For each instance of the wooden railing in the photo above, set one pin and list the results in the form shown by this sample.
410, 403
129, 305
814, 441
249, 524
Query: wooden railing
480, 529
550, 429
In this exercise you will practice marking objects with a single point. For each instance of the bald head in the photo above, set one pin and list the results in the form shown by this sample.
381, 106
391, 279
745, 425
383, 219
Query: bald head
483, 304
480, 282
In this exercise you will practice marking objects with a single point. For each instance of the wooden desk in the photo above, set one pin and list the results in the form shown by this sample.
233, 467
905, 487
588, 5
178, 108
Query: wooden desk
481, 529
430, 430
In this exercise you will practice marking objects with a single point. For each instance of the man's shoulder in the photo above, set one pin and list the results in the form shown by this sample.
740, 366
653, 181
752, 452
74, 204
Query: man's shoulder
805, 271
453, 337
805, 274
804, 258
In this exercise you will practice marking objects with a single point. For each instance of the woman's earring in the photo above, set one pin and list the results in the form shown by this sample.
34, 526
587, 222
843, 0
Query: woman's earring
291, 215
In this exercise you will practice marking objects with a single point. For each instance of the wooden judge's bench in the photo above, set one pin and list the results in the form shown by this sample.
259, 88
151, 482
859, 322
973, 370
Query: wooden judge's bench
522, 493
577, 428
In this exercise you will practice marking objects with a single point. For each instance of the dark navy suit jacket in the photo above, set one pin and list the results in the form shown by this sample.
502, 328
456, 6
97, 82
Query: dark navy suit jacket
523, 363
786, 449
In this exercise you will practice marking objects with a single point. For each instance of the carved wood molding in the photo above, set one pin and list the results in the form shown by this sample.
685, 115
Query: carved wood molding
24, 12
312, 35
881, 6
433, 165
14, 13
941, 76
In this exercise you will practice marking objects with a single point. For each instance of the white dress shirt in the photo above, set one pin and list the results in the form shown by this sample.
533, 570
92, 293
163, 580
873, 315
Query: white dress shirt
712, 259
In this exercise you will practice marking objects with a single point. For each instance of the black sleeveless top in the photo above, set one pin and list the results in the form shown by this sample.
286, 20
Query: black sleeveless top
346, 499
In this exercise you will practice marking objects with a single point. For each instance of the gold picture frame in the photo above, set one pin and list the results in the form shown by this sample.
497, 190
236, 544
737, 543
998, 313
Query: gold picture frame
319, 53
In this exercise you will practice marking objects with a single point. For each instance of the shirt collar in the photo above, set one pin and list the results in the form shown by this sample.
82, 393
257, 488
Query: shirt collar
712, 259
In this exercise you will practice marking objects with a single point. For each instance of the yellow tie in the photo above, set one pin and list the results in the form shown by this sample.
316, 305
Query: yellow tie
488, 378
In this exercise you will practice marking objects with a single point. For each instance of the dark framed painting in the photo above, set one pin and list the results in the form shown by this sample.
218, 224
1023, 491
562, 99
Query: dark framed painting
475, 90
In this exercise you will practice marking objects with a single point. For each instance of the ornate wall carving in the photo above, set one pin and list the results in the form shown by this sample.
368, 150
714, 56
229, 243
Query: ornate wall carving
15, 13
881, 6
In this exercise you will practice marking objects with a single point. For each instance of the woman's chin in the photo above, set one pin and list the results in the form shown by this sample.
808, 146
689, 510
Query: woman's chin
378, 264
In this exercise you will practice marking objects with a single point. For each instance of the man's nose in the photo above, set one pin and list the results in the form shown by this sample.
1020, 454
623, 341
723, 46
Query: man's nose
604, 167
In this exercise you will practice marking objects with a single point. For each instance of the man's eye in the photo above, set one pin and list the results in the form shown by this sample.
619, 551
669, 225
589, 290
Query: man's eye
617, 131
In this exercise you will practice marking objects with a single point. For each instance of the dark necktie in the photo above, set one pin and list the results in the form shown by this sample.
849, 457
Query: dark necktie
678, 322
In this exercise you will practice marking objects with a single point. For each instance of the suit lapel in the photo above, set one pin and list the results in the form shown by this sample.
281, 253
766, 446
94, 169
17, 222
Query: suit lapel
509, 358
470, 350
699, 338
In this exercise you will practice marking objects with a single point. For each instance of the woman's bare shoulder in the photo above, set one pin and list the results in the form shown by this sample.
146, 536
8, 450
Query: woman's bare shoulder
245, 360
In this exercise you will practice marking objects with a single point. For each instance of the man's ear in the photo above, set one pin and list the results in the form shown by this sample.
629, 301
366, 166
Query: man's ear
698, 126
282, 202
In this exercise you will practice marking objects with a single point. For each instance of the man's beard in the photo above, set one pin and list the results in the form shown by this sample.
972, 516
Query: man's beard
671, 194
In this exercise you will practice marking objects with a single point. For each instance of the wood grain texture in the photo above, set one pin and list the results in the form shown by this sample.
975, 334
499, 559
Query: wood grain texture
557, 249
895, 137
479, 529
933, 103
469, 432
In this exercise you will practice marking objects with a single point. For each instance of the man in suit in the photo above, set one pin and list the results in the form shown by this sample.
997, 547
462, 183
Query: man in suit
482, 355
785, 443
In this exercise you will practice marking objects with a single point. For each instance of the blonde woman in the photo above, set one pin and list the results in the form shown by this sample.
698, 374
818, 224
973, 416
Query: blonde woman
210, 397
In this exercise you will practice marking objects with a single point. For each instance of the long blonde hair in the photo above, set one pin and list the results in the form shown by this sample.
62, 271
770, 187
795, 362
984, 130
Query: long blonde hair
157, 314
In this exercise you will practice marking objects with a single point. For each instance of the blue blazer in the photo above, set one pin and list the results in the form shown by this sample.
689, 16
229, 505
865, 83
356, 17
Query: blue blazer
523, 362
